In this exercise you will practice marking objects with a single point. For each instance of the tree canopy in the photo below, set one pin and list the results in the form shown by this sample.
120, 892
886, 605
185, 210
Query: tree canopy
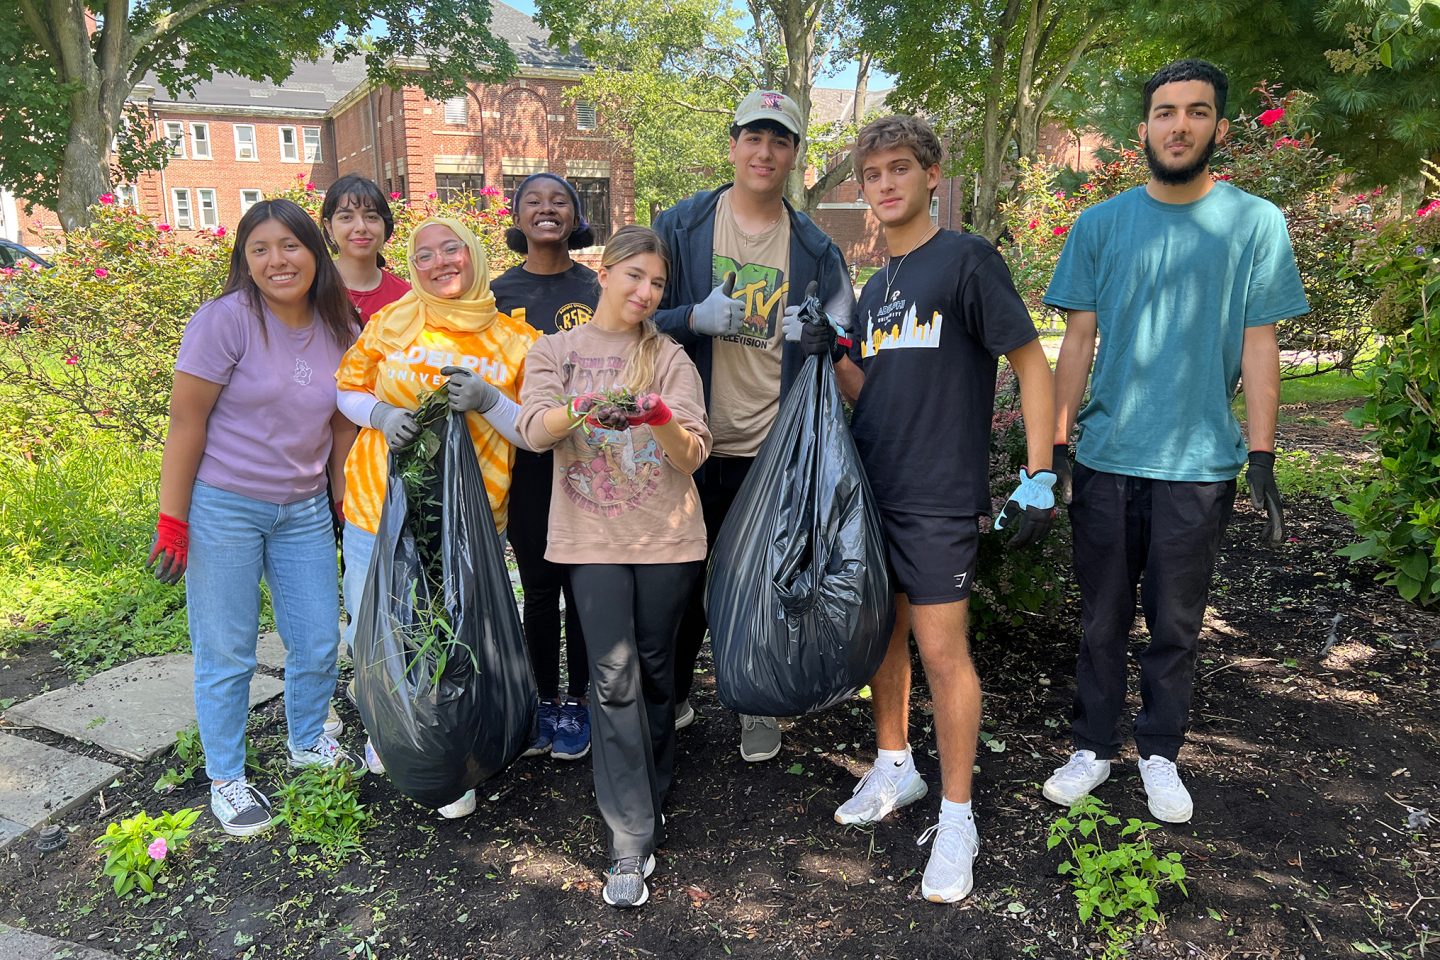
67, 67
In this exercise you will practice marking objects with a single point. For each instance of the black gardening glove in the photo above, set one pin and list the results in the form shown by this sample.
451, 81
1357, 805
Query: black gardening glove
1260, 475
1064, 473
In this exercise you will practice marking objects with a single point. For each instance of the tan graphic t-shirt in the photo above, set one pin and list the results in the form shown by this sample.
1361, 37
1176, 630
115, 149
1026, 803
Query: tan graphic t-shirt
745, 370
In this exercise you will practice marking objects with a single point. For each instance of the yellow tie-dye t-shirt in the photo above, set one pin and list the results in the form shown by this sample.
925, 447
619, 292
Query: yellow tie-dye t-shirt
402, 377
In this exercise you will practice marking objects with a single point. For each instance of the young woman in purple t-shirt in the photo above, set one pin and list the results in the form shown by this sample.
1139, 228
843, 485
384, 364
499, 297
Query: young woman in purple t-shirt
253, 427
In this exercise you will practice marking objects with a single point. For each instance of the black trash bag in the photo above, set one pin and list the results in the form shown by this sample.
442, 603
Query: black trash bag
442, 729
798, 598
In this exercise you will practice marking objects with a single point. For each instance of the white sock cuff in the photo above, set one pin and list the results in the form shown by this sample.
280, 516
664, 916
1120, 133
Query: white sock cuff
894, 759
949, 809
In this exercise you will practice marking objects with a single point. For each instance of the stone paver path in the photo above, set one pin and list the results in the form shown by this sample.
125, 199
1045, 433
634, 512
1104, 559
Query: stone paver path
134, 710
39, 783
20, 945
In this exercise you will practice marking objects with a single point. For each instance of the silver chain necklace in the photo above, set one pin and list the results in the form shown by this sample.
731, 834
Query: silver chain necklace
890, 277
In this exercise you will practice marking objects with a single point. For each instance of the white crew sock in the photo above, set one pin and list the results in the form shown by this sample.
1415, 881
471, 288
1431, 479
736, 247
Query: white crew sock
894, 762
950, 810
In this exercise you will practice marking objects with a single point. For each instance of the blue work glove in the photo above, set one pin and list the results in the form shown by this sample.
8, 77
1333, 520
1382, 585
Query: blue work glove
720, 314
467, 390
818, 332
1030, 509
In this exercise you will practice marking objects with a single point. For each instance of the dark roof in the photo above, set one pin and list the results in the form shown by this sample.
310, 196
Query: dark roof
320, 84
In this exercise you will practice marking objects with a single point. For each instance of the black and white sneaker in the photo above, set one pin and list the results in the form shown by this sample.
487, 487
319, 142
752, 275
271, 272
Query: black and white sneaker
242, 810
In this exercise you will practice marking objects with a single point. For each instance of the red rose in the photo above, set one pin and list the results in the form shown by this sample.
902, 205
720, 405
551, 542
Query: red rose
1271, 117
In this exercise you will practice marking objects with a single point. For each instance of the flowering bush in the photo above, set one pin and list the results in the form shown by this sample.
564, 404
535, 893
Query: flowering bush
1011, 585
1397, 515
95, 339
1263, 156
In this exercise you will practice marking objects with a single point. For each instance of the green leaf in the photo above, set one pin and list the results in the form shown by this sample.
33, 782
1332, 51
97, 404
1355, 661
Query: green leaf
1415, 566
1385, 54
795, 768
1430, 14
1401, 7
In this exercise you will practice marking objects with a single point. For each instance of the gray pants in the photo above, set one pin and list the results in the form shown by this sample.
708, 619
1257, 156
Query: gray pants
629, 613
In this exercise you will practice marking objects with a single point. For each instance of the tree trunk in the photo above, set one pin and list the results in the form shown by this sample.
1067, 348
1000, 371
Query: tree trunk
995, 131
85, 170
798, 31
862, 90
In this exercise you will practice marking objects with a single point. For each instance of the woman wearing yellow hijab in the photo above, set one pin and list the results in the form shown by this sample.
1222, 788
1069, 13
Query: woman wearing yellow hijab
447, 333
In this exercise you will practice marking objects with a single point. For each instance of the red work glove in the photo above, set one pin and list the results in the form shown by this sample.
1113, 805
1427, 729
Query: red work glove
339, 507
651, 411
171, 549
580, 407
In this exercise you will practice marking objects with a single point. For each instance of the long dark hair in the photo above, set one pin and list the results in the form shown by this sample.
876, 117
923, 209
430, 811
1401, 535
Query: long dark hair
363, 194
326, 296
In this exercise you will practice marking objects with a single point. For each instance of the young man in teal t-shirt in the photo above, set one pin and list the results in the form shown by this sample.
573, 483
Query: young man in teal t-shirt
1183, 279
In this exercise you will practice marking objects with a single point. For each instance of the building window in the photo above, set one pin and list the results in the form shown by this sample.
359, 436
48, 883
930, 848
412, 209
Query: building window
248, 199
200, 141
209, 213
289, 145
584, 115
312, 143
175, 136
400, 181
457, 110
184, 218
127, 196
595, 198
245, 142
449, 186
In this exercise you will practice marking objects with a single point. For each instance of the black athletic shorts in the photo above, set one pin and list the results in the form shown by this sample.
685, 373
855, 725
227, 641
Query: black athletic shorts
932, 559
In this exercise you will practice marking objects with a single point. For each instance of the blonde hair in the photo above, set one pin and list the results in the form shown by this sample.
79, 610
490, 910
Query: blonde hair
630, 242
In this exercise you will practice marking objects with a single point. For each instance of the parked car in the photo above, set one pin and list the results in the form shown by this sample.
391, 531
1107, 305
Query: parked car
14, 256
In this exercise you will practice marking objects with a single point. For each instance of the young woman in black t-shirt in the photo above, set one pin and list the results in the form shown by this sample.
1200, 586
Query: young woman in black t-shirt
551, 292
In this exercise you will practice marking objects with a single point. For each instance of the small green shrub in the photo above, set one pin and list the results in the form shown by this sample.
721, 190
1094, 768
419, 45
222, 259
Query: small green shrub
1011, 585
321, 805
138, 848
1117, 886
1397, 514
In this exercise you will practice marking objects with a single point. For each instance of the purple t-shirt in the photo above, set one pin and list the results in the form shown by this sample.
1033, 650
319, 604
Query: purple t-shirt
268, 436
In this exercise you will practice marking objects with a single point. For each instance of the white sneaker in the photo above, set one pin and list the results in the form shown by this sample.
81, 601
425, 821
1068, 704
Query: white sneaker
1169, 800
325, 752
334, 726
1081, 774
879, 793
372, 759
460, 808
950, 873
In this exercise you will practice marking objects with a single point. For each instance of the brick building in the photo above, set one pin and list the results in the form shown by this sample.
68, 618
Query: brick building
233, 141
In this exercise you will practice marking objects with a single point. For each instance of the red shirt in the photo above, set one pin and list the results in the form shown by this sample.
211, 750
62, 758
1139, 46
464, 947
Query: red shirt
391, 288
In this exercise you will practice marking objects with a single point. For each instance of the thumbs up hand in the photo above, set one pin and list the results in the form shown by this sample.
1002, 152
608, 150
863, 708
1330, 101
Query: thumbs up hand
720, 314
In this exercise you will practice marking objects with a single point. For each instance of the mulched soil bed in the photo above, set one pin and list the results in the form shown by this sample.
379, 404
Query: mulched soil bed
1311, 759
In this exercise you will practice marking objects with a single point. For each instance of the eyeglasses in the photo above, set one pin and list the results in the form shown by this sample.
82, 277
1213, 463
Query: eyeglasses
425, 259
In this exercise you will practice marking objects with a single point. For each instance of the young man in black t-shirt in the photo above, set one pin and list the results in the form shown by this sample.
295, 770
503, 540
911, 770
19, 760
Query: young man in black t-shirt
922, 371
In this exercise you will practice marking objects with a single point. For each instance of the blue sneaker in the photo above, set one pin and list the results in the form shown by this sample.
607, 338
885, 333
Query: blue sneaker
572, 732
549, 714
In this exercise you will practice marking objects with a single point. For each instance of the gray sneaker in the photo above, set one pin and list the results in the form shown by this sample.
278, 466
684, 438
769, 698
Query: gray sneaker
241, 809
625, 883
334, 726
759, 738
325, 752
684, 714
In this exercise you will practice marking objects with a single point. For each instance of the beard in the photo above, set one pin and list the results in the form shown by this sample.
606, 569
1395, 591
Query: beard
1173, 176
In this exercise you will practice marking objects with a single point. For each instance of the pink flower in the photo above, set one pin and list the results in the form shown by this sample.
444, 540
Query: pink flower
1034, 223
101, 272
72, 360
1290, 142
107, 199
1060, 194
309, 186
395, 195
1271, 117
430, 195
158, 849
1222, 176
163, 228
1059, 231
1428, 209
489, 192
1087, 187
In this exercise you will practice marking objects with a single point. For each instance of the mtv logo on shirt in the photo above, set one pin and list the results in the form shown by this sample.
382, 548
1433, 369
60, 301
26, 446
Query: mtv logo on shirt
762, 290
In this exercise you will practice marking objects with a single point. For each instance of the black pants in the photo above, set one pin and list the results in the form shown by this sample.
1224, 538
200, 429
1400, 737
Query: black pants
630, 614
1164, 536
718, 481
543, 581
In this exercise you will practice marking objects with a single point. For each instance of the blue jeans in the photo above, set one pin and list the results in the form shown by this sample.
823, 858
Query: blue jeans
234, 541
357, 545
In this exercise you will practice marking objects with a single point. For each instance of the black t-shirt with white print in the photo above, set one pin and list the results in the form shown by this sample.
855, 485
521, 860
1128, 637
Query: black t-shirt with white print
552, 302
928, 349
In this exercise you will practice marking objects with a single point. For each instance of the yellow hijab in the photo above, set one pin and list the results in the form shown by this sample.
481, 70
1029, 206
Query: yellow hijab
399, 324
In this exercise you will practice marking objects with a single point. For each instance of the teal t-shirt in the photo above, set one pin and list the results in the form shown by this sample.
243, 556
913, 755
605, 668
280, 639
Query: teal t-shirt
1173, 287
